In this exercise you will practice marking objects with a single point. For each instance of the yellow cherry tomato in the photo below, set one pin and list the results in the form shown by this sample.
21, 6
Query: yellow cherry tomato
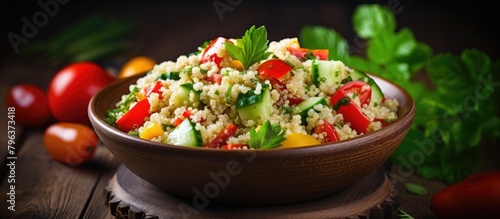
136, 65
299, 140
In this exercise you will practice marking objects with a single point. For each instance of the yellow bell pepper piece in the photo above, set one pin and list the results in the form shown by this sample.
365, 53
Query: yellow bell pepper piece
235, 64
299, 140
152, 131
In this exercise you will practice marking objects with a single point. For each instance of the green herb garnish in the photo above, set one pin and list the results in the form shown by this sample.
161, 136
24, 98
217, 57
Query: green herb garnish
124, 105
251, 48
268, 136
454, 115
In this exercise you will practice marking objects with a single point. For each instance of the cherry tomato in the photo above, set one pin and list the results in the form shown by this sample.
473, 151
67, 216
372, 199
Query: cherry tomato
70, 143
136, 65
275, 68
210, 53
30, 102
71, 89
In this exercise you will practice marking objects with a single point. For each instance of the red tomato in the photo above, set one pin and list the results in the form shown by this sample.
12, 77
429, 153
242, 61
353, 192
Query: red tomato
275, 68
70, 143
302, 53
31, 106
351, 111
71, 89
215, 79
359, 88
155, 89
331, 133
234, 147
210, 53
222, 137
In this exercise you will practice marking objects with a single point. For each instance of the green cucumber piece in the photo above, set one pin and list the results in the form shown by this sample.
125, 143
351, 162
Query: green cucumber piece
185, 135
170, 75
326, 71
377, 94
182, 97
251, 106
309, 103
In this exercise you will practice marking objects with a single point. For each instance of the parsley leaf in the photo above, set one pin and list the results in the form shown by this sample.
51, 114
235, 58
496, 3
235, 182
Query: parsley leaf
317, 37
456, 110
268, 136
370, 20
251, 48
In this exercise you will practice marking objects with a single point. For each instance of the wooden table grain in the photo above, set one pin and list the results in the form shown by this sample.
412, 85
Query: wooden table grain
45, 188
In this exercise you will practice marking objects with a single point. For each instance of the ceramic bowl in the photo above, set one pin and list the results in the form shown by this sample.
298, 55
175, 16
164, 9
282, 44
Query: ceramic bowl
251, 177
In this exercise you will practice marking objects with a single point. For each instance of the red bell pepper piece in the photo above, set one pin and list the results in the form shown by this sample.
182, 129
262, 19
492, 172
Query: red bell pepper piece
345, 105
222, 137
135, 117
477, 196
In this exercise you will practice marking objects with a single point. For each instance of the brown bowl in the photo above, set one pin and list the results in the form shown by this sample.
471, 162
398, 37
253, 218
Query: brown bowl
251, 177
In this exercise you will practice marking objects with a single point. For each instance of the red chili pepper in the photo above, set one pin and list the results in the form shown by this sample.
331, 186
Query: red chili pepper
343, 103
135, 117
477, 196
222, 137
331, 133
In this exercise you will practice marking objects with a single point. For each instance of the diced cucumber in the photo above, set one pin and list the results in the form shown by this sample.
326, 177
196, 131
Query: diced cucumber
377, 94
303, 108
185, 135
170, 75
182, 96
327, 71
251, 106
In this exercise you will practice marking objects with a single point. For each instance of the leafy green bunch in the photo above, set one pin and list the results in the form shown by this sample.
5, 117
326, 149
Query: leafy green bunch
454, 94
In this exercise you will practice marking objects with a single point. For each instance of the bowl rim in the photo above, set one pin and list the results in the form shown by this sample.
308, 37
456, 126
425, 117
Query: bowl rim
405, 117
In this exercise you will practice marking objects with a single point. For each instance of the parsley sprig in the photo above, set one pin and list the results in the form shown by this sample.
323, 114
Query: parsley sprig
452, 119
268, 136
251, 48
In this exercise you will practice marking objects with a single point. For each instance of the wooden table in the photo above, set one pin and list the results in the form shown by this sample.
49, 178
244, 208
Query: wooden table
45, 188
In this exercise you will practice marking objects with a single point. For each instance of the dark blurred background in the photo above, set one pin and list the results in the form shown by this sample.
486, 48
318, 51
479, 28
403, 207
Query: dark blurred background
167, 29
